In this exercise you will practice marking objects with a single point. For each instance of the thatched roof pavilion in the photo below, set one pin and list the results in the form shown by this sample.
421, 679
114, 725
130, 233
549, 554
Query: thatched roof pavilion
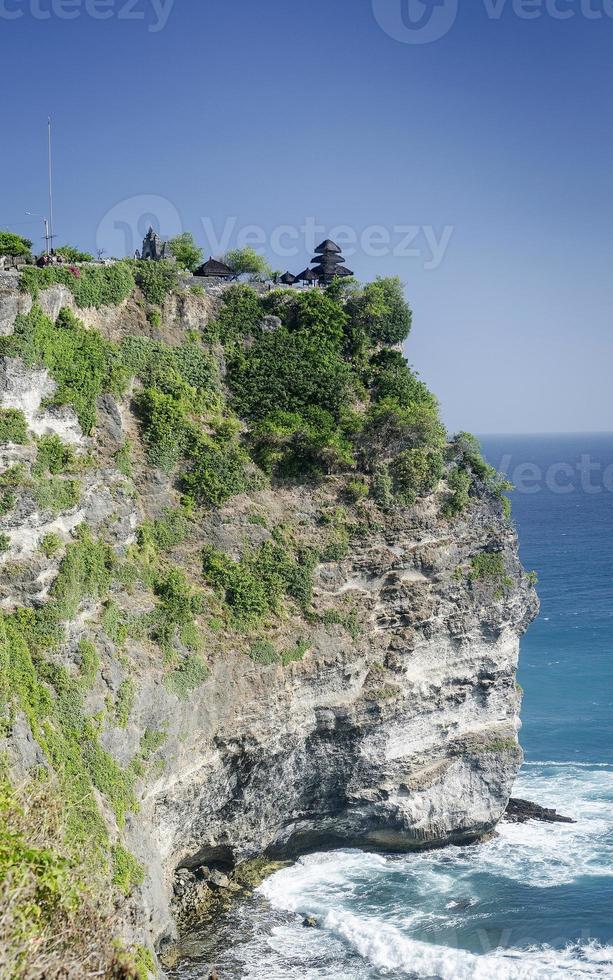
288, 279
215, 270
329, 262
307, 276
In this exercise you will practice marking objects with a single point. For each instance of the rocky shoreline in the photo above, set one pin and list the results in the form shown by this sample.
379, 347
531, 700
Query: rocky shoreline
521, 811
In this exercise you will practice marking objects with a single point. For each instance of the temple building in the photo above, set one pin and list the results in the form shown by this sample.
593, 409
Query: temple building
329, 263
155, 249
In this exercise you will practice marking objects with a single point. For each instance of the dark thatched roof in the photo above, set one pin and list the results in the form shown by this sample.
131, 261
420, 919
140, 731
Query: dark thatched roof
307, 276
326, 273
329, 258
215, 269
288, 279
328, 246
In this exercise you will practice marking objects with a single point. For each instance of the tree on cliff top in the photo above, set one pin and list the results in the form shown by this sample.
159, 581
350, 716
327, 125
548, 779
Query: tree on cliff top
188, 255
12, 244
72, 254
246, 261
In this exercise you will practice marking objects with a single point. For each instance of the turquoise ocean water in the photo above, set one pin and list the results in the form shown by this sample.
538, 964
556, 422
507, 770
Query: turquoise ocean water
535, 903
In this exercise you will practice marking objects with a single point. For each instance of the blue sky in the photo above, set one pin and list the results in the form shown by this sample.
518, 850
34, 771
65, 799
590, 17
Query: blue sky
481, 160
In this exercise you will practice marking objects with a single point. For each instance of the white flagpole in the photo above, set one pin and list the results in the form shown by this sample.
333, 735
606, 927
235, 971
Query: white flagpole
50, 185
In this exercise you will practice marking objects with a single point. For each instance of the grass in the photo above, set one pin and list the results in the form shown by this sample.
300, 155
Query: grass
57, 919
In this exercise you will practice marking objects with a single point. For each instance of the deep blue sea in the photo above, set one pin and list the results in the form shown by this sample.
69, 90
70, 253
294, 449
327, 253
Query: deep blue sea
535, 903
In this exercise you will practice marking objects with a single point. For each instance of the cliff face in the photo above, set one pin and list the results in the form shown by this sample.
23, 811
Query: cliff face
395, 729
404, 738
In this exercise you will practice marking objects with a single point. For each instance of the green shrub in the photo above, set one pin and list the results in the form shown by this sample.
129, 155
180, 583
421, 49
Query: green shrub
254, 587
7, 502
127, 872
347, 619
151, 741
151, 361
166, 426
5, 542
85, 572
291, 444
289, 372
13, 427
240, 315
246, 261
178, 603
382, 487
216, 471
264, 652
92, 286
57, 494
317, 314
53, 456
125, 702
416, 473
382, 311
187, 677
185, 251
90, 662
391, 378
389, 427
51, 544
156, 280
356, 490
12, 244
489, 567
81, 362
459, 482
167, 531
123, 460
72, 254
154, 317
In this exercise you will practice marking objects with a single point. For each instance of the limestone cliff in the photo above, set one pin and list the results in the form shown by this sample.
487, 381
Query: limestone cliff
388, 715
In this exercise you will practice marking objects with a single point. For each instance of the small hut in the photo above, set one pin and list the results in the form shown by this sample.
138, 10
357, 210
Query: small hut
307, 276
288, 279
215, 270
329, 263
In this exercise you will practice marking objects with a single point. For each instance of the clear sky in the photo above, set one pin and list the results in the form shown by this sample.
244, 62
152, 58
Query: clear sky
481, 159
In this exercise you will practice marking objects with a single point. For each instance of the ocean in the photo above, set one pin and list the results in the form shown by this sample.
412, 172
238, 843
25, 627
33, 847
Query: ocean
536, 902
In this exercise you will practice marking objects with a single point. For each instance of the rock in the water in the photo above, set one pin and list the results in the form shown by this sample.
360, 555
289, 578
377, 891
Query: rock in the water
310, 922
520, 811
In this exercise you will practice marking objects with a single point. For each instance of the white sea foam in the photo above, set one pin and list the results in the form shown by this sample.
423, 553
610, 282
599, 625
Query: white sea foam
389, 949
381, 911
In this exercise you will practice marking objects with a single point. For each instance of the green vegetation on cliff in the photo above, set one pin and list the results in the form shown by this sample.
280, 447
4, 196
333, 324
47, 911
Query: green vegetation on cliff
281, 390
